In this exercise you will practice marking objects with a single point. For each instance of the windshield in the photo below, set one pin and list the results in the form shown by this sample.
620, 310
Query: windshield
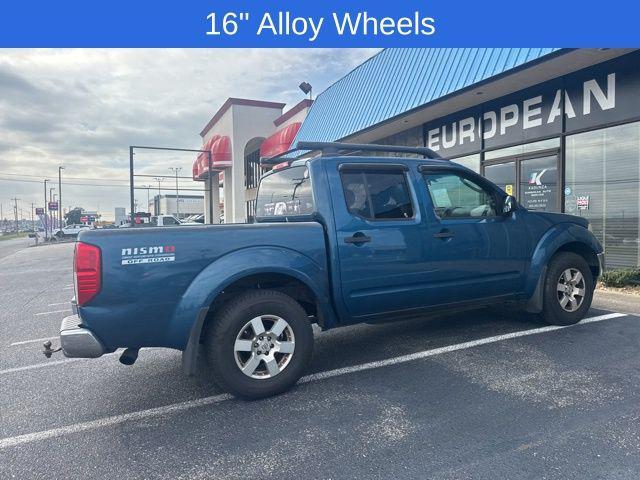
285, 193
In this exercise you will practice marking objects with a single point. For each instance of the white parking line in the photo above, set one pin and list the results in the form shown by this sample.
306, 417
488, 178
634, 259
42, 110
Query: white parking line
177, 407
24, 342
53, 311
105, 422
449, 348
39, 365
57, 304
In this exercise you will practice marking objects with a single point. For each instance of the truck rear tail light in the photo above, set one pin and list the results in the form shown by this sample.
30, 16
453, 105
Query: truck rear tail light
87, 272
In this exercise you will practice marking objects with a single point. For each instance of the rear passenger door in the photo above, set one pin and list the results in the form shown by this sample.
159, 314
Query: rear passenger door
476, 252
379, 238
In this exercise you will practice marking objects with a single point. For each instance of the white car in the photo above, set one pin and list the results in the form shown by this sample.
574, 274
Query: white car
71, 230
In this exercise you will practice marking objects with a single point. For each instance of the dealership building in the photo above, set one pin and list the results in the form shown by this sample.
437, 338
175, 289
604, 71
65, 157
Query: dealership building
557, 128
240, 133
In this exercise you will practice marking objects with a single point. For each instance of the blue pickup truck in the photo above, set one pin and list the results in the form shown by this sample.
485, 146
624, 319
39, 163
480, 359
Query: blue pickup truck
337, 239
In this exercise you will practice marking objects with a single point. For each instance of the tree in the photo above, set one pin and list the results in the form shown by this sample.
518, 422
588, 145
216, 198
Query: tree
73, 216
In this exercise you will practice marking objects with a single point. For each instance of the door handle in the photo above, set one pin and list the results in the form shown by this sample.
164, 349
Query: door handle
357, 239
444, 234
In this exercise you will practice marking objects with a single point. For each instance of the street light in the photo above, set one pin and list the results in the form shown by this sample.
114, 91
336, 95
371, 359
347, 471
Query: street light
148, 187
60, 168
176, 170
51, 189
44, 217
159, 180
306, 89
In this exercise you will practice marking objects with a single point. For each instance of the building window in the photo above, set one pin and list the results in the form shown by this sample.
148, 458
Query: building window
251, 210
602, 185
252, 169
472, 162
523, 149
408, 138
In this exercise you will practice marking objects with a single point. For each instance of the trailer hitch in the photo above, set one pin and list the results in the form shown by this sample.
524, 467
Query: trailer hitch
48, 351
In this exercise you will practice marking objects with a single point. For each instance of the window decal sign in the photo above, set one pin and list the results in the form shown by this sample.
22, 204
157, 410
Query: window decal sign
540, 184
582, 202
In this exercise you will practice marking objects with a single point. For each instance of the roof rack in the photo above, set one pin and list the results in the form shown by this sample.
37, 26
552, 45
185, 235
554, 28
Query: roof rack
335, 148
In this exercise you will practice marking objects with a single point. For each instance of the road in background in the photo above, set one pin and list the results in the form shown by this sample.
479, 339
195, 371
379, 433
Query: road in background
559, 404
10, 246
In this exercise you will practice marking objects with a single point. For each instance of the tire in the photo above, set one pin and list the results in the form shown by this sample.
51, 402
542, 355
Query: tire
559, 307
232, 344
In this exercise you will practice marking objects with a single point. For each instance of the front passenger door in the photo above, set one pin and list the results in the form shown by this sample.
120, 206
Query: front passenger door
476, 252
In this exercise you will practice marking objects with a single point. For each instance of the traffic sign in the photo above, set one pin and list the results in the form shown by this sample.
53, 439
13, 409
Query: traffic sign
39, 211
53, 206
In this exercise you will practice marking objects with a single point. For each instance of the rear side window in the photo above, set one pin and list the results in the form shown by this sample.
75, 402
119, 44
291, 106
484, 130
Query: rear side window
285, 193
456, 196
377, 194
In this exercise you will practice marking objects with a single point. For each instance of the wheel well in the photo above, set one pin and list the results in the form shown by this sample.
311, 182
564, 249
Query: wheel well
586, 252
283, 283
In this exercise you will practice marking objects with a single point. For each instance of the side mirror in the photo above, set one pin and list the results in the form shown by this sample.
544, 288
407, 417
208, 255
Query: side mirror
509, 205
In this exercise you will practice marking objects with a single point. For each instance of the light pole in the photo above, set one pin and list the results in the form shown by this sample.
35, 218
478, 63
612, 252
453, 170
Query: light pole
51, 189
15, 212
148, 187
60, 168
176, 170
159, 180
44, 217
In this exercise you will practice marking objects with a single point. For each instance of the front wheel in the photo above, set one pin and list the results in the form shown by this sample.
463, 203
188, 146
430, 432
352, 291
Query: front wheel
568, 289
259, 344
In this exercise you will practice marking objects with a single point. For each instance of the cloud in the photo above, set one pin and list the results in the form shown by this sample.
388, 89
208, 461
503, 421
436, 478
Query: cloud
83, 108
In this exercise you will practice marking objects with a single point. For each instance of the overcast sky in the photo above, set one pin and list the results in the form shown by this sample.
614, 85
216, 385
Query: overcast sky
83, 108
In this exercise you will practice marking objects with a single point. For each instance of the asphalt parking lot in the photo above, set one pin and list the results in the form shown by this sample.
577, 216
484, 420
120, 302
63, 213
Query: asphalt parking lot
485, 394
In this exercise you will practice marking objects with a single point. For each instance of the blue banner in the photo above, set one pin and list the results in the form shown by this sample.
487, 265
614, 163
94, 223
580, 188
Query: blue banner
345, 23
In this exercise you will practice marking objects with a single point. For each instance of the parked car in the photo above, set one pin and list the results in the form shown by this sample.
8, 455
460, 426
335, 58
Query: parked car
337, 240
163, 221
193, 219
71, 230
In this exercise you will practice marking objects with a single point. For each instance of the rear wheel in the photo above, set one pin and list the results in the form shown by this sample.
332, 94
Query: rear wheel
568, 289
260, 344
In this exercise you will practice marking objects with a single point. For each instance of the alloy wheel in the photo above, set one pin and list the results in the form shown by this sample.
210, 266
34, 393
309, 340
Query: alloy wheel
571, 289
264, 346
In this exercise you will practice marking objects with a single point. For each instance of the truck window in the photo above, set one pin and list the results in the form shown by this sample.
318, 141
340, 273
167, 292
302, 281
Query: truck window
377, 194
169, 221
285, 193
456, 196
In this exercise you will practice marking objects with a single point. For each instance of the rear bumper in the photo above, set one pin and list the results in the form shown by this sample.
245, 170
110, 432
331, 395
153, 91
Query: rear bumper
601, 263
77, 341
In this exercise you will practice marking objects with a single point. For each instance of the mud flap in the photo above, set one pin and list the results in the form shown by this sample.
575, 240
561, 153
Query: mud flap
190, 353
536, 302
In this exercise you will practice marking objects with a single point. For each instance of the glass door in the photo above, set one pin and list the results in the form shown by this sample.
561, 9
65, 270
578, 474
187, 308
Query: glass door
503, 175
539, 183
532, 179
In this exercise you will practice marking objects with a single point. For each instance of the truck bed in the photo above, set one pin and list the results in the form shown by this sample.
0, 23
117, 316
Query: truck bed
153, 278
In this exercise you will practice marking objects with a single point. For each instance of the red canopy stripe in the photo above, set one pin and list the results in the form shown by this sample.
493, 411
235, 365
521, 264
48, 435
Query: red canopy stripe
280, 141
